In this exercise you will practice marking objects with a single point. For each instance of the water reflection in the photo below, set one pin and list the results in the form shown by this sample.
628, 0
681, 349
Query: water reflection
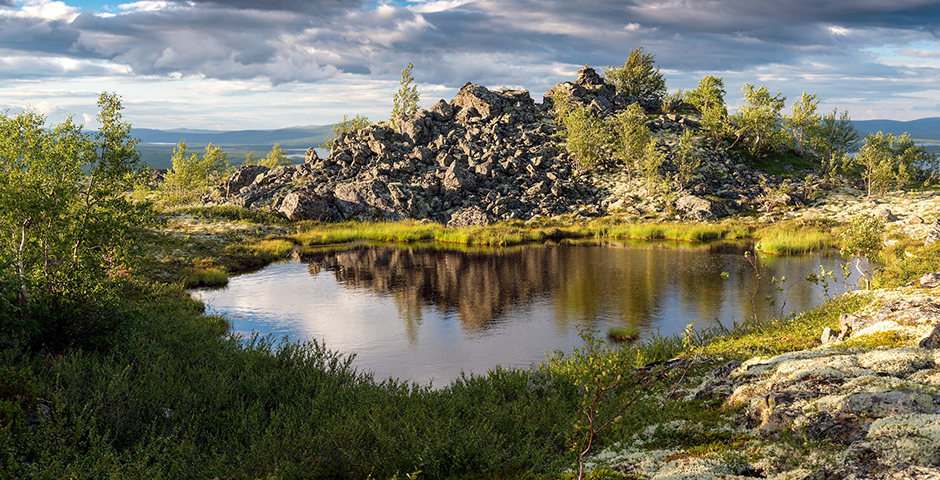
426, 311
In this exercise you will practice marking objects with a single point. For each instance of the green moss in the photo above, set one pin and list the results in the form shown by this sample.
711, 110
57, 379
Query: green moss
785, 335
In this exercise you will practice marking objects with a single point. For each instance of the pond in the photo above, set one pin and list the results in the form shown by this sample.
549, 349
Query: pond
426, 313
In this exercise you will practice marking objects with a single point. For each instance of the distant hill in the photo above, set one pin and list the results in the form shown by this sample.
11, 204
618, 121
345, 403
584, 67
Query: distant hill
156, 146
920, 129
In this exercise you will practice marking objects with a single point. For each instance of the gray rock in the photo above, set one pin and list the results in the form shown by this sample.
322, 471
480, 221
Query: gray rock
698, 208
470, 216
934, 233
930, 280
298, 206
931, 340
885, 215
884, 404
311, 156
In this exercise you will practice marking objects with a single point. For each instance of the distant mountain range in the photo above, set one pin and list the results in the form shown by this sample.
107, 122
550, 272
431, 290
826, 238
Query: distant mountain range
156, 146
920, 129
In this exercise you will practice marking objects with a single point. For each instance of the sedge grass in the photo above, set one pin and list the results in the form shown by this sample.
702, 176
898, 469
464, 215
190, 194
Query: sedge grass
207, 277
794, 242
328, 233
623, 333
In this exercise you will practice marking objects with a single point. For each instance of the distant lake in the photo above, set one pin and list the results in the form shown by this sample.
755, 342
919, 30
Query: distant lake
427, 312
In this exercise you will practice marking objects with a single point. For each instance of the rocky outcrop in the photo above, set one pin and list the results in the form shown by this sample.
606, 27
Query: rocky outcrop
486, 155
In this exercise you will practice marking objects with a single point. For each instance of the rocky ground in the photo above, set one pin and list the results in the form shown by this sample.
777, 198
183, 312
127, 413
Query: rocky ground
490, 155
865, 404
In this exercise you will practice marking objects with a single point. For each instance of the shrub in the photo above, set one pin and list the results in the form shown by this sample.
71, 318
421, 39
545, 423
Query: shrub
638, 77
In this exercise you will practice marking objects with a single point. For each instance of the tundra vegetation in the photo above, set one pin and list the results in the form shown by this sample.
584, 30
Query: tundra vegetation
110, 369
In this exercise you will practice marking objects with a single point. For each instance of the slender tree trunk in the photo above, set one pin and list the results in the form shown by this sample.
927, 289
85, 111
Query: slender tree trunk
21, 263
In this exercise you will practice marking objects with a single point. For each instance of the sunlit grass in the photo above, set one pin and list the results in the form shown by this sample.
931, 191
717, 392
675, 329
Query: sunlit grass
776, 336
207, 277
623, 333
327, 233
794, 242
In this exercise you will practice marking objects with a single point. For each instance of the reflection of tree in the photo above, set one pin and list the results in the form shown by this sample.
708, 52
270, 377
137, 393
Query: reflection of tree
478, 285
635, 284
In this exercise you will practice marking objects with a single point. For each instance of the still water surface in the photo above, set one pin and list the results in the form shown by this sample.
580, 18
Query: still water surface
425, 313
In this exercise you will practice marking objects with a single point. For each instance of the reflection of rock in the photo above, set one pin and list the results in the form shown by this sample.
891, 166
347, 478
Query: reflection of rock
476, 285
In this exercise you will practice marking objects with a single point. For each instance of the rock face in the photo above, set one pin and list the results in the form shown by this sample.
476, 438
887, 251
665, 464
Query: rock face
934, 233
486, 155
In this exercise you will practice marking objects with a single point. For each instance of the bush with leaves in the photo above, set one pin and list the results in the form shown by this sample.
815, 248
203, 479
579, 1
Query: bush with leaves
757, 123
406, 98
586, 134
639, 77
709, 99
803, 121
864, 238
191, 176
835, 138
345, 126
686, 161
886, 161
277, 157
67, 227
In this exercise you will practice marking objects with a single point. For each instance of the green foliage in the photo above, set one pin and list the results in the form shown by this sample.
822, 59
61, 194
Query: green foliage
608, 385
406, 98
908, 264
686, 161
757, 123
886, 161
864, 238
179, 398
803, 121
638, 77
709, 99
277, 157
709, 94
66, 225
631, 137
782, 335
192, 177
344, 126
586, 135
834, 139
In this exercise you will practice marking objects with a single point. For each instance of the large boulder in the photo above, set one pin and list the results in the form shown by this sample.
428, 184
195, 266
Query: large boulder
469, 217
306, 206
698, 208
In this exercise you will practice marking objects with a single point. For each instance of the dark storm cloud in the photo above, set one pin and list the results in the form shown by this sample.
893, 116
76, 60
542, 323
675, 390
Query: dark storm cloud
495, 42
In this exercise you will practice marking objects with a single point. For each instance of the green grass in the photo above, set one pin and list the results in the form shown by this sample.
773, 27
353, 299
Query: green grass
906, 262
310, 233
778, 336
794, 242
688, 232
623, 333
207, 277
229, 212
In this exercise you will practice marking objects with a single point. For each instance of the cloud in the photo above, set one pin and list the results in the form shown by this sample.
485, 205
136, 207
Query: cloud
920, 53
530, 43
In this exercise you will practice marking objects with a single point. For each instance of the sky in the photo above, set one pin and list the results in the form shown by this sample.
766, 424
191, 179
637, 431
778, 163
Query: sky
268, 64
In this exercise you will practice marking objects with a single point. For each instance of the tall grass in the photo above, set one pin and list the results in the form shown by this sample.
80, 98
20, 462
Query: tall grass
794, 242
328, 233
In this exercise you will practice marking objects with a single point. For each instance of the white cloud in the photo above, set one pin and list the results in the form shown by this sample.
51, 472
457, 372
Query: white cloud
839, 31
43, 10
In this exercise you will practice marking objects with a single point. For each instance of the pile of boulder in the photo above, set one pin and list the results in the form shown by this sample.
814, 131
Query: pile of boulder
486, 155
